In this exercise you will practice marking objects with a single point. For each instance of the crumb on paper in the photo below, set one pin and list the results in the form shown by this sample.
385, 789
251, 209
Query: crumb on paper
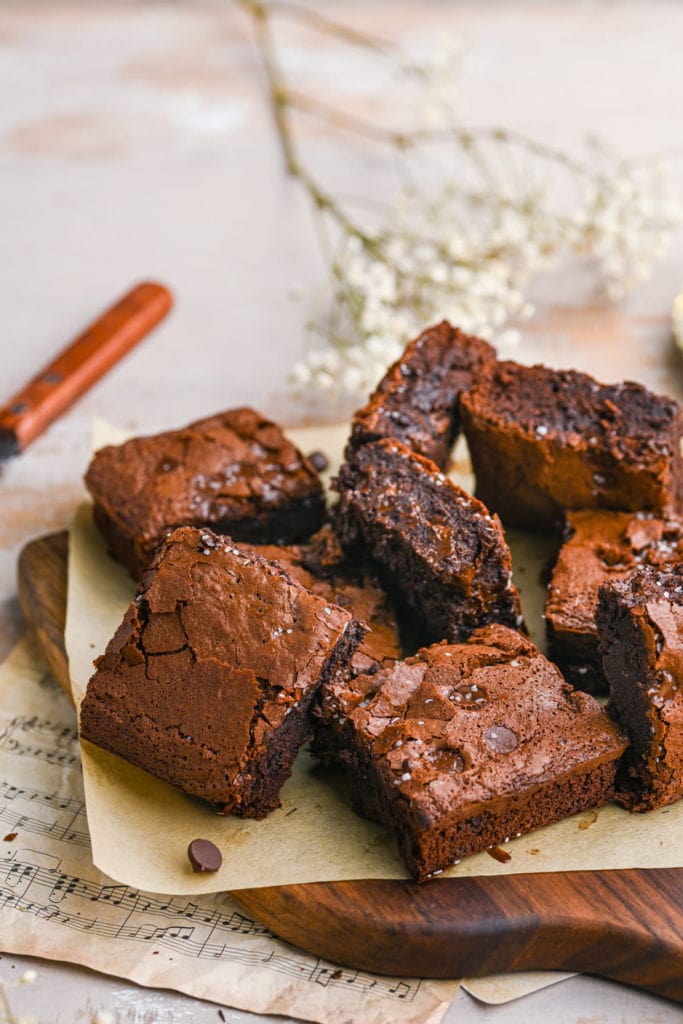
502, 856
589, 820
10, 837
533, 851
28, 977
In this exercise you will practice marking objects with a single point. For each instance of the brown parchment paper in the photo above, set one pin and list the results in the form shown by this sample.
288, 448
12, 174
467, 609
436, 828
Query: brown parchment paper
140, 827
505, 988
55, 904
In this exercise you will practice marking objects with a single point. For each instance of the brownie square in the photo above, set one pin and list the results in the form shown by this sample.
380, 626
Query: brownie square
640, 624
321, 567
599, 547
441, 553
544, 440
235, 472
209, 680
466, 745
417, 400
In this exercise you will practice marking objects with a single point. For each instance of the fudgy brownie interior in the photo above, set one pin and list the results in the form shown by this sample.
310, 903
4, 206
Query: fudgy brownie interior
640, 623
543, 441
440, 551
599, 546
417, 400
635, 420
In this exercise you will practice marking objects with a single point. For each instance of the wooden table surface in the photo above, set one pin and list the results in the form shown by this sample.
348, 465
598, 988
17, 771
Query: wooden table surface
135, 144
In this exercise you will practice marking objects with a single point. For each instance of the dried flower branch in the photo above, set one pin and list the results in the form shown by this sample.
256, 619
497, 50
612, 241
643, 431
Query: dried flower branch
465, 240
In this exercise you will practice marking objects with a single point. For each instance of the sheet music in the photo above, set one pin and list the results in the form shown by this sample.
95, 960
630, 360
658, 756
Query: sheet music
54, 903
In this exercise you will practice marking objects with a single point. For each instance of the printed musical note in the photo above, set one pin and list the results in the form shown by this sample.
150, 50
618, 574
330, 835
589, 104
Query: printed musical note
244, 925
56, 800
42, 828
51, 755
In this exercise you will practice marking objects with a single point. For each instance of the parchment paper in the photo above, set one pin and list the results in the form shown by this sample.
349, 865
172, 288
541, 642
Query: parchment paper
140, 827
55, 904
497, 989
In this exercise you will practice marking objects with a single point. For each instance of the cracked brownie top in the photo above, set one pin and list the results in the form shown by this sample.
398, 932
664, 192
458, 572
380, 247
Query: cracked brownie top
462, 726
321, 567
219, 647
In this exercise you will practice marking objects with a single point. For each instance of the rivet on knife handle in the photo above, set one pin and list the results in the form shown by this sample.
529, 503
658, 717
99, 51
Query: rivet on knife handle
28, 413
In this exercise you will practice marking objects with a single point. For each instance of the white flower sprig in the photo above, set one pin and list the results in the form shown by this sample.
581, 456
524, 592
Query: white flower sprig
467, 244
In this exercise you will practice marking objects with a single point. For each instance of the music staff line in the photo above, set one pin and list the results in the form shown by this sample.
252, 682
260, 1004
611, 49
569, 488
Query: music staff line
65, 833
179, 938
198, 931
61, 803
62, 751
20, 876
185, 936
63, 732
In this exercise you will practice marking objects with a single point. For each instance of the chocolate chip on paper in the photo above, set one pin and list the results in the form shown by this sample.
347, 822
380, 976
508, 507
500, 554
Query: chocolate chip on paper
204, 855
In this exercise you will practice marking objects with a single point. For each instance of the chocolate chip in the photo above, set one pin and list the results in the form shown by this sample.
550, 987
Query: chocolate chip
319, 461
204, 855
500, 739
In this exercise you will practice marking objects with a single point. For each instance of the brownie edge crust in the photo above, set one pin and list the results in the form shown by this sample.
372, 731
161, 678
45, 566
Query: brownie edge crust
209, 680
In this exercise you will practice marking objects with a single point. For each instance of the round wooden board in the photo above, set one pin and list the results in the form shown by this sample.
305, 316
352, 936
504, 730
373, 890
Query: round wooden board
623, 925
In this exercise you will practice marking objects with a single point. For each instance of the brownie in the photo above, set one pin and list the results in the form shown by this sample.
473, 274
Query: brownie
599, 546
322, 568
235, 472
640, 624
544, 440
463, 746
441, 553
417, 400
209, 680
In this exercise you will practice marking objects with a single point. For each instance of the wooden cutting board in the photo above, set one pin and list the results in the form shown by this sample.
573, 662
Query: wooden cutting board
623, 925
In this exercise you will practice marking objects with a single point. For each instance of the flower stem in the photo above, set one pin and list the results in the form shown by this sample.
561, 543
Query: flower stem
280, 102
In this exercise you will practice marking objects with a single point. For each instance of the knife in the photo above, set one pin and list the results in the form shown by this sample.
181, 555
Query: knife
31, 410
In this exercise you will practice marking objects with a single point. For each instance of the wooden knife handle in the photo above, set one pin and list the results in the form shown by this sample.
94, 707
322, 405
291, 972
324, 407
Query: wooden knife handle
85, 360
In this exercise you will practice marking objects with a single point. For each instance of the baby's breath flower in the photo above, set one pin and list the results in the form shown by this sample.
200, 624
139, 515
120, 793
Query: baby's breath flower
466, 245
